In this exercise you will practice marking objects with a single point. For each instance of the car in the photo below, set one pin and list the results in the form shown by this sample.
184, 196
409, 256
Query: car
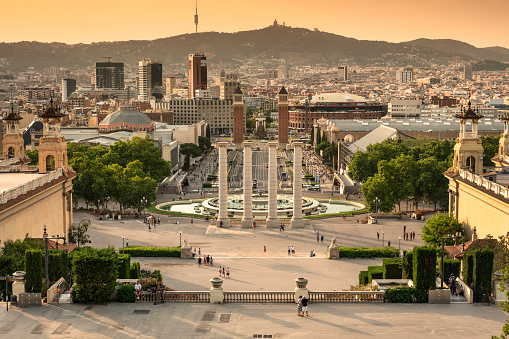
264, 141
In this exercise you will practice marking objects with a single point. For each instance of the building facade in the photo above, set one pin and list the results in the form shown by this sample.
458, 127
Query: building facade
109, 75
197, 73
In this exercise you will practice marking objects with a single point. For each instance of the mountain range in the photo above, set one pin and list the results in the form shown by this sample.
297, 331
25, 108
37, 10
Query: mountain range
266, 46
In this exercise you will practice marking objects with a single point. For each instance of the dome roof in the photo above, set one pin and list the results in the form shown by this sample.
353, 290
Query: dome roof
349, 138
126, 114
335, 97
335, 129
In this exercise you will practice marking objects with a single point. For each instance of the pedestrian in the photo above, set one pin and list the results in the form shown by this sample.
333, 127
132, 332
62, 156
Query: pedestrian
413, 235
204, 260
228, 273
211, 261
304, 302
289, 250
220, 271
317, 238
199, 261
264, 249
293, 250
322, 238
389, 243
299, 306
57, 294
404, 228
127, 243
149, 227
158, 220
344, 216
224, 272
199, 251
377, 236
208, 260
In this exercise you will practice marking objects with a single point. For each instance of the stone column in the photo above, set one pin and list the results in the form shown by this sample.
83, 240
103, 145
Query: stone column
301, 288
223, 185
216, 291
19, 283
297, 220
247, 219
272, 220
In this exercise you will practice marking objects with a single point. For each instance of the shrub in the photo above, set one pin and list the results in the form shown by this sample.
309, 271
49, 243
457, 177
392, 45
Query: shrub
94, 274
154, 274
408, 264
375, 272
124, 266
392, 268
151, 251
135, 272
425, 262
58, 265
211, 177
33, 271
207, 185
468, 268
367, 252
126, 293
405, 294
450, 266
363, 277
483, 269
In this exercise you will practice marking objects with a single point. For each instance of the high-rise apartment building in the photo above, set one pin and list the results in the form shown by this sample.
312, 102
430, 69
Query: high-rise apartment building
406, 75
197, 73
171, 84
109, 75
343, 73
467, 72
238, 116
150, 81
228, 85
68, 87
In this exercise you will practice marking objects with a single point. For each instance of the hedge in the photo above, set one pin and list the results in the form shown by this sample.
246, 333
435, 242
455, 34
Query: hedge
367, 252
125, 293
135, 272
468, 268
211, 177
363, 277
425, 263
405, 294
450, 266
58, 265
33, 271
151, 251
408, 264
207, 185
124, 266
375, 272
392, 268
94, 274
483, 269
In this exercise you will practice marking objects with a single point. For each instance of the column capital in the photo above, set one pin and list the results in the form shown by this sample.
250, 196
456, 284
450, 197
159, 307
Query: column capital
247, 144
222, 144
273, 143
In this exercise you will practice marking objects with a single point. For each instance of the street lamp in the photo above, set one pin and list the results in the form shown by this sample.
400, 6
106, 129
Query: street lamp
180, 242
377, 201
383, 239
399, 245
45, 237
123, 244
144, 202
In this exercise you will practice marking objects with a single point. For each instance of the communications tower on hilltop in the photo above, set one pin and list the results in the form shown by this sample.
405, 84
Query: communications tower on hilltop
196, 17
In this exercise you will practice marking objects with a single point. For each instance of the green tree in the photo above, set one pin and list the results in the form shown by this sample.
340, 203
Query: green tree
189, 149
268, 118
401, 176
33, 155
438, 226
204, 143
432, 184
207, 131
312, 138
377, 187
490, 145
79, 233
250, 123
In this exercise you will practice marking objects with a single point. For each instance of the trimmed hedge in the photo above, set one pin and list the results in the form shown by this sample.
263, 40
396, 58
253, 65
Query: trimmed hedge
425, 263
95, 274
483, 269
135, 271
363, 277
450, 266
375, 272
408, 264
207, 185
58, 265
468, 268
367, 252
124, 266
125, 293
151, 251
406, 294
33, 271
392, 268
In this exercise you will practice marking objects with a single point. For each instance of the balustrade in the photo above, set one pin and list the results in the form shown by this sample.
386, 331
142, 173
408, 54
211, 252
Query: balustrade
347, 296
258, 297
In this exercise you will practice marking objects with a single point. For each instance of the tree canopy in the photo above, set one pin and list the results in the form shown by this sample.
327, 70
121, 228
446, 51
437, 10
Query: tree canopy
441, 225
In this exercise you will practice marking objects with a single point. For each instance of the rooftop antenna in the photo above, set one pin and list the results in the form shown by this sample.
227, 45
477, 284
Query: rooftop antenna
196, 17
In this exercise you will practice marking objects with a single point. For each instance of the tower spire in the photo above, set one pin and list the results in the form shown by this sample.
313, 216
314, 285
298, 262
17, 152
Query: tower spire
196, 17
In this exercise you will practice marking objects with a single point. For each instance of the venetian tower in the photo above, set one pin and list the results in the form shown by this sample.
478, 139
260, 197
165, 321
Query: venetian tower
238, 117
52, 145
13, 144
502, 158
283, 118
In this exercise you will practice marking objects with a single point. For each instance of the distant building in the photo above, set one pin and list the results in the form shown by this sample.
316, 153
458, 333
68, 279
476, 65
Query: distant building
150, 80
444, 100
171, 84
467, 72
109, 75
33, 94
68, 87
428, 81
239, 121
282, 73
343, 73
404, 108
406, 75
197, 73
126, 119
228, 85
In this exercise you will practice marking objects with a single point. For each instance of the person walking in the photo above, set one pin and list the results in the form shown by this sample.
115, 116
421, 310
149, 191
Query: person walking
228, 273
211, 261
204, 260
220, 272
304, 301
199, 251
57, 294
127, 243
322, 238
208, 260
317, 237
289, 249
389, 243
224, 272
377, 236
199, 261
299, 306
293, 250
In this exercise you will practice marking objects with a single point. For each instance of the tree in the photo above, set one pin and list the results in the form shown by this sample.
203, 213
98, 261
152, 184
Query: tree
268, 118
189, 149
204, 143
33, 155
401, 176
207, 131
441, 225
79, 234
312, 139
250, 123
490, 145
431, 183
377, 187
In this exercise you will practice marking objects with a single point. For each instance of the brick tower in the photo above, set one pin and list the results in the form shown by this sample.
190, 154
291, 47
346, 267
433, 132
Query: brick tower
282, 109
238, 117
13, 143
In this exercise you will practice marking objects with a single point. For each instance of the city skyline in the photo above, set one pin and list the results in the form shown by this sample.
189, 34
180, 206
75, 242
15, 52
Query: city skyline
392, 20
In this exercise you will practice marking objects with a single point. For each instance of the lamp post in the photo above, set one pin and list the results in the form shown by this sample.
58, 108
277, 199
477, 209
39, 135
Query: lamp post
180, 242
399, 245
45, 236
123, 244
144, 202
383, 239
376, 208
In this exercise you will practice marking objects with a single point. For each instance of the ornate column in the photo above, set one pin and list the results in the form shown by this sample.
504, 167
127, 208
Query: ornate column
297, 220
247, 219
223, 185
272, 220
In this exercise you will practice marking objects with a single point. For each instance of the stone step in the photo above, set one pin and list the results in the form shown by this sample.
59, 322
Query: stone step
65, 298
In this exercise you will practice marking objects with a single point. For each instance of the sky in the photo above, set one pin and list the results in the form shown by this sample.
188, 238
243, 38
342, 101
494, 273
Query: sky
480, 23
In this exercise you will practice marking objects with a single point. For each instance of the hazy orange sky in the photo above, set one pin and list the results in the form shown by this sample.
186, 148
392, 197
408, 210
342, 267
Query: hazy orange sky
481, 23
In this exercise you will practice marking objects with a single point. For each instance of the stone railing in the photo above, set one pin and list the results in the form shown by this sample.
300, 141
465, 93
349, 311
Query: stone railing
176, 296
10, 161
62, 284
31, 185
347, 296
483, 182
259, 297
467, 291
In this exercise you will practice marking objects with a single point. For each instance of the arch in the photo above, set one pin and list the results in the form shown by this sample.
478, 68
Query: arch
11, 152
470, 164
50, 163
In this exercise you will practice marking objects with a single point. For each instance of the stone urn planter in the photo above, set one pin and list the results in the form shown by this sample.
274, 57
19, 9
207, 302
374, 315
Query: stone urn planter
301, 282
216, 282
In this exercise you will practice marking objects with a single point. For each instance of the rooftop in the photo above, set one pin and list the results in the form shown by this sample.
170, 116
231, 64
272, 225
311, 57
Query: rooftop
12, 180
